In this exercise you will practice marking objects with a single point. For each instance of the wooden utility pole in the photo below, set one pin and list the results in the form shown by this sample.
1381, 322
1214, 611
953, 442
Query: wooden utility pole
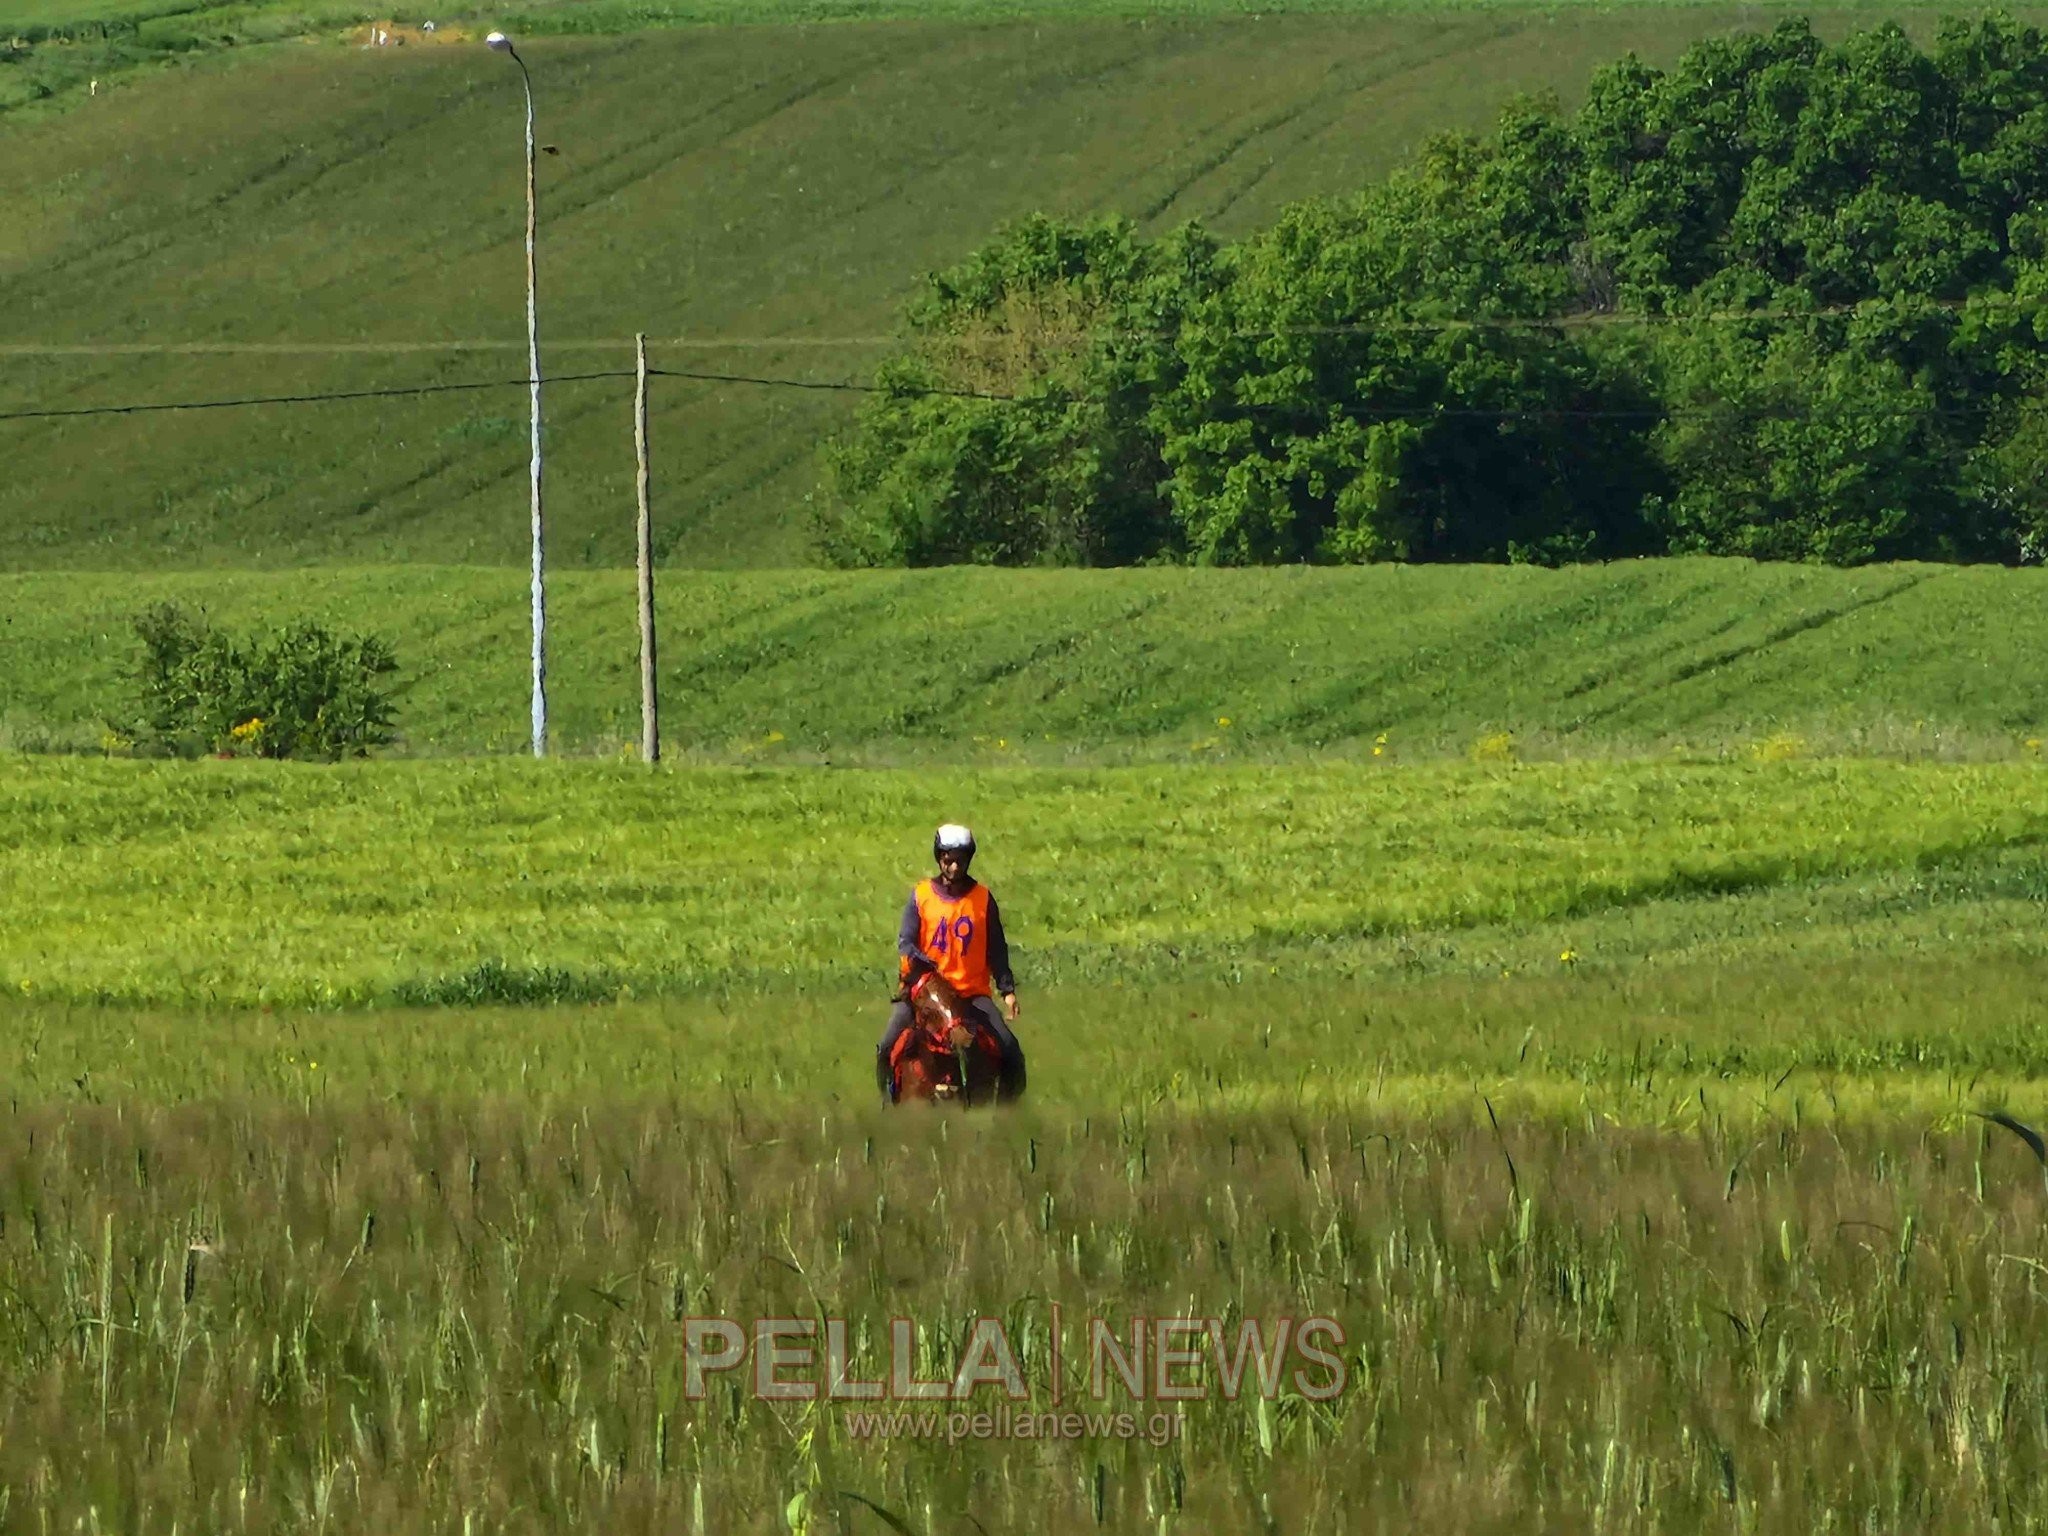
650, 708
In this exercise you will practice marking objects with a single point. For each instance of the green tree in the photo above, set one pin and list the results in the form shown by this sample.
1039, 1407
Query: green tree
1333, 405
1013, 431
1783, 446
1840, 246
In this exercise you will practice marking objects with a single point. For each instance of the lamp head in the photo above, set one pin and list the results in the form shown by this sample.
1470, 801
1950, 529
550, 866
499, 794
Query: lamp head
498, 42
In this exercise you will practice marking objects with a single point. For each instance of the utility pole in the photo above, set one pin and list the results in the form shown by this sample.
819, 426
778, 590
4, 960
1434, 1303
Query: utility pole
498, 42
650, 706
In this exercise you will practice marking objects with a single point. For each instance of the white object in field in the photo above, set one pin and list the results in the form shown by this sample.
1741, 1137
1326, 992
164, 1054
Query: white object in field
426, 26
93, 89
498, 42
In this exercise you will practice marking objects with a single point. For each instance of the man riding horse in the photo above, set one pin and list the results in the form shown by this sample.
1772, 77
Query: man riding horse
951, 925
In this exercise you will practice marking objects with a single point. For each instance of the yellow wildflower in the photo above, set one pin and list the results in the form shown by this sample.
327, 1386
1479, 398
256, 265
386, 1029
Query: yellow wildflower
1494, 747
1781, 747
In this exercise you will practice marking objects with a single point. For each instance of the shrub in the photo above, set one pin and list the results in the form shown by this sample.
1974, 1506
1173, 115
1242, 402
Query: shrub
301, 690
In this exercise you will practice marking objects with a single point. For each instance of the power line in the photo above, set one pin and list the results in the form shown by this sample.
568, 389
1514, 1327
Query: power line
1362, 411
392, 348
1580, 320
145, 407
148, 407
832, 386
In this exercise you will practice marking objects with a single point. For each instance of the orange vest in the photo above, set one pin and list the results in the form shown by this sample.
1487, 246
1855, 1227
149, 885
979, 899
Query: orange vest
955, 934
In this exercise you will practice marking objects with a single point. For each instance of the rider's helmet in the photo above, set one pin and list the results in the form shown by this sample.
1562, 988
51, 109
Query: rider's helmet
954, 838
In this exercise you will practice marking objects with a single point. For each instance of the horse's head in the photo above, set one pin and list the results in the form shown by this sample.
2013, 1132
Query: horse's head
948, 1038
941, 1012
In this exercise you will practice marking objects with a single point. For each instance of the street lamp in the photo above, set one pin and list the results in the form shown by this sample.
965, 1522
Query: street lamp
498, 42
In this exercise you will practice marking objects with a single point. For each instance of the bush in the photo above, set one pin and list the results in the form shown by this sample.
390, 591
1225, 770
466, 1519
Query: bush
299, 691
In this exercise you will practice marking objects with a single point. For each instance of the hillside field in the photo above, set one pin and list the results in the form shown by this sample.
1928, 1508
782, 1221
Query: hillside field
758, 199
1708, 657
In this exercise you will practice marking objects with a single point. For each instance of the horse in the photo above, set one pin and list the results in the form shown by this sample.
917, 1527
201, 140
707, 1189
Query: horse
949, 1054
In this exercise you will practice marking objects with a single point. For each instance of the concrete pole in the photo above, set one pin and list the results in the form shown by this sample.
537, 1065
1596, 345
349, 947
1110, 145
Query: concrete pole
650, 706
503, 44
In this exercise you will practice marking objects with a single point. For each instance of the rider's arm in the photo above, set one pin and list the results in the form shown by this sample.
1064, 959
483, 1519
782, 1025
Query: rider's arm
908, 932
999, 951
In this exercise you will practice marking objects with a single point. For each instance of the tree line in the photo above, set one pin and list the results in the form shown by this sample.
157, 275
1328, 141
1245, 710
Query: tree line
1782, 300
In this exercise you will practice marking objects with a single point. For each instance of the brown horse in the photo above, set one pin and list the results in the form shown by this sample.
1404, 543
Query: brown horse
949, 1054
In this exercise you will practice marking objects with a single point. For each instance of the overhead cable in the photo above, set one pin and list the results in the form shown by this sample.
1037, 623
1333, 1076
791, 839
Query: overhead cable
1579, 320
146, 407
1362, 412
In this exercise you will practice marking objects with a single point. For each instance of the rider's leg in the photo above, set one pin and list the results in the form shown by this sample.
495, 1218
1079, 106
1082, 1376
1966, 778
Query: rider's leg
899, 1021
1013, 1053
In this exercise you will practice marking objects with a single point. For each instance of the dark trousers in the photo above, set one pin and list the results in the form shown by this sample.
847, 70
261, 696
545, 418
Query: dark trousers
1013, 1054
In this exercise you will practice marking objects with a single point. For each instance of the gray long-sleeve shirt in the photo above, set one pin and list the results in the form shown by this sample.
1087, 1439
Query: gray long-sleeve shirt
910, 938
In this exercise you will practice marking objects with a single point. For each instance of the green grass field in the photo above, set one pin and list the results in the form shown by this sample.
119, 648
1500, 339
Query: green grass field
1670, 1246
1624, 1118
414, 1316
372, 1129
768, 194
249, 883
1710, 657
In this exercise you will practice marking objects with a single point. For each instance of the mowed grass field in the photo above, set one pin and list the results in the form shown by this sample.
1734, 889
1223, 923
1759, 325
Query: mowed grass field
758, 199
1717, 658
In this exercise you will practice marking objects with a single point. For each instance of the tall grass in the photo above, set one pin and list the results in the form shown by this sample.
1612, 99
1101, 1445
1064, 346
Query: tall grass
414, 1316
1884, 1034
1668, 1203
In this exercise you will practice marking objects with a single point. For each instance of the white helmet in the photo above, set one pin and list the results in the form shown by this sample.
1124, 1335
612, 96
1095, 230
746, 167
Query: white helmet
954, 838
